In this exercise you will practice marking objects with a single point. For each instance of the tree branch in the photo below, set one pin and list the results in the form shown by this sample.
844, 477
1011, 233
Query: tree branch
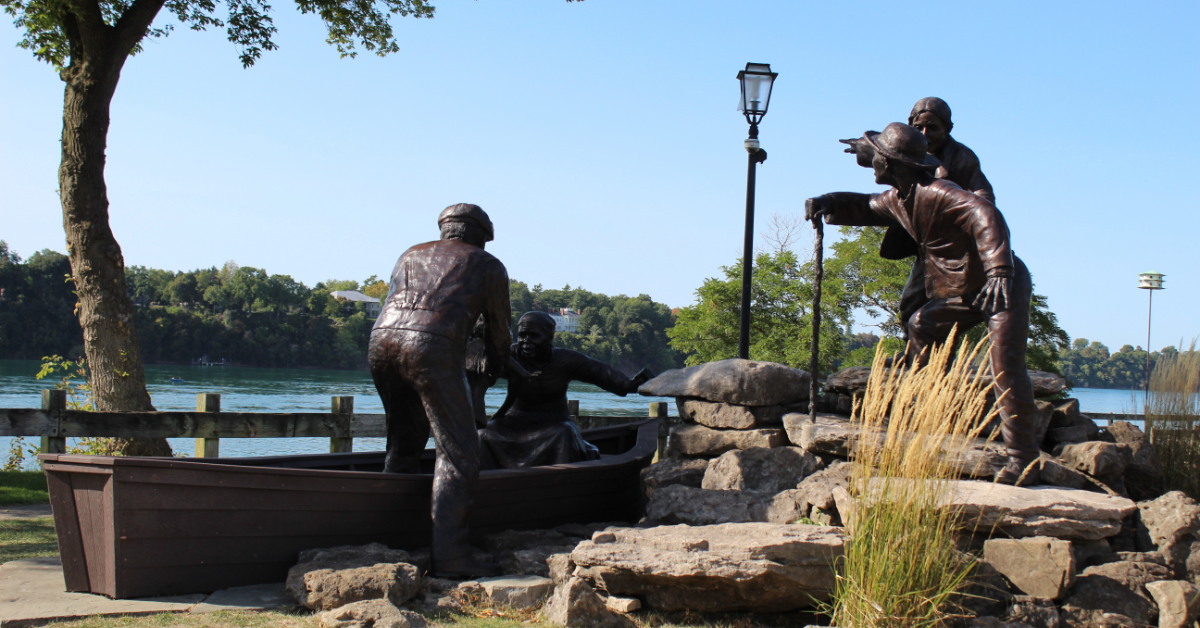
134, 23
87, 27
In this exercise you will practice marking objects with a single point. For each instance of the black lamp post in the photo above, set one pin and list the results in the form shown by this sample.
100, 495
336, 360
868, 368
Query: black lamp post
757, 80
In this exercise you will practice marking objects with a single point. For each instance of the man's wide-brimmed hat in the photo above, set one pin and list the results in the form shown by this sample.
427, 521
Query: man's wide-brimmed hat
466, 212
904, 144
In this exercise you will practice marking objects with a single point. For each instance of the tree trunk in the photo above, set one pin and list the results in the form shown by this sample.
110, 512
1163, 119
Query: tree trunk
105, 310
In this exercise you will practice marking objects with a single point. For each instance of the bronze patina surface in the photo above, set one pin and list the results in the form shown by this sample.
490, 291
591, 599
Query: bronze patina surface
533, 427
971, 274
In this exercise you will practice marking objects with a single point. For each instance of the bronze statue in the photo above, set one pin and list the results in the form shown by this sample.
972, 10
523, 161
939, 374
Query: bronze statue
417, 356
971, 274
930, 116
533, 427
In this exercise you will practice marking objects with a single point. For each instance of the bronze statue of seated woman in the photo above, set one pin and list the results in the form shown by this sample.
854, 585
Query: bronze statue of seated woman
533, 427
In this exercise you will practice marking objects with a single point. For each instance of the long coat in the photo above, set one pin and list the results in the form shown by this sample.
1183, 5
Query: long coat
958, 164
960, 236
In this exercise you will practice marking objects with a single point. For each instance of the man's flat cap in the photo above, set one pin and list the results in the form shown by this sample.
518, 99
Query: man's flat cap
466, 212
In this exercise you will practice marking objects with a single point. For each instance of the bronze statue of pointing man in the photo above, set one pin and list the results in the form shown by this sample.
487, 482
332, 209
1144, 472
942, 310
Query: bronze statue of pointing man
971, 274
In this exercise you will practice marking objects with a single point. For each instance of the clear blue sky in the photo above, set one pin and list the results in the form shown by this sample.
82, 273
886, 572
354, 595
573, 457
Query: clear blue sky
602, 138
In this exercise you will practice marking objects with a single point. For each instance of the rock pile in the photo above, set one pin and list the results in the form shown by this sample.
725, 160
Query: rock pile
744, 514
730, 405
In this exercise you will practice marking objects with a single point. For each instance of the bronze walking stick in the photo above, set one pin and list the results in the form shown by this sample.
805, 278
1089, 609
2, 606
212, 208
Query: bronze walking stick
819, 253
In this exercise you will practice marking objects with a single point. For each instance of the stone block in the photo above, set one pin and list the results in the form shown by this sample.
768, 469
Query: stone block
1094, 458
756, 567
1021, 512
370, 614
1178, 602
760, 469
622, 604
1039, 566
729, 416
672, 471
520, 592
575, 604
694, 441
1144, 474
322, 589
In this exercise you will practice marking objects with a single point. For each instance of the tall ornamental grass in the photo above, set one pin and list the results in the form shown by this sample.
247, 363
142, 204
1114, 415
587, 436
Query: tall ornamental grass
901, 567
1173, 418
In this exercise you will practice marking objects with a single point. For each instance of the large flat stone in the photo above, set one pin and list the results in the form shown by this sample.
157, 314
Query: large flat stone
736, 381
729, 567
1020, 512
32, 592
693, 441
854, 379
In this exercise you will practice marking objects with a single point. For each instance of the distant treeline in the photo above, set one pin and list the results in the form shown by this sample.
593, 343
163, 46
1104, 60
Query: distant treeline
253, 318
1091, 365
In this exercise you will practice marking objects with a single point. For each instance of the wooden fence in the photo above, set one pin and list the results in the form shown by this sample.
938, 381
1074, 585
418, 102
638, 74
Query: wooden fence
54, 423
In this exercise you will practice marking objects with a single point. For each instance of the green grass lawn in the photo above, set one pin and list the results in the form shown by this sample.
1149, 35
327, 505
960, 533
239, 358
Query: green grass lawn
27, 538
23, 487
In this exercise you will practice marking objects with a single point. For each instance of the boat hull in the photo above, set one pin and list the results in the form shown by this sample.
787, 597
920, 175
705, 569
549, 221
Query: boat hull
140, 527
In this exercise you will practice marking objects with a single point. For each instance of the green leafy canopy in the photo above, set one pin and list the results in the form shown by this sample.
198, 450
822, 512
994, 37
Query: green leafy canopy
49, 33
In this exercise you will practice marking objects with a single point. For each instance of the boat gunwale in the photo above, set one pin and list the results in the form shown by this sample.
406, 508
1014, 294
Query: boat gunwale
646, 442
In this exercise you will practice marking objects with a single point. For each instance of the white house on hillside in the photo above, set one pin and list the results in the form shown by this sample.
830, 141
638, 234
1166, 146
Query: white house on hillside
565, 319
370, 304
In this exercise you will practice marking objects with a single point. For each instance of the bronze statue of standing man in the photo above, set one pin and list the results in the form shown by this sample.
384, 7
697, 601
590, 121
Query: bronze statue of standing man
417, 356
971, 274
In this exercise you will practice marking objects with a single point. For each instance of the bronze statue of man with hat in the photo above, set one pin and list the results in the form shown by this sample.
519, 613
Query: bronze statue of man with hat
956, 162
417, 354
971, 274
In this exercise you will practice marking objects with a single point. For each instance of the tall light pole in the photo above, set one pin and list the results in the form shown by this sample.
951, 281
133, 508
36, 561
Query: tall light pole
1151, 282
756, 80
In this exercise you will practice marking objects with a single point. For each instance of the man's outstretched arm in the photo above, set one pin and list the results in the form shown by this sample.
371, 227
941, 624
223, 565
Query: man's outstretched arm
847, 208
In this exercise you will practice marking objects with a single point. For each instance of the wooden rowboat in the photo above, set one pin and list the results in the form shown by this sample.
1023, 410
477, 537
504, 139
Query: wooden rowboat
139, 527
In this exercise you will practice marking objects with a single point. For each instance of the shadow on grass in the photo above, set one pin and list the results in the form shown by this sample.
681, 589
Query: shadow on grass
27, 538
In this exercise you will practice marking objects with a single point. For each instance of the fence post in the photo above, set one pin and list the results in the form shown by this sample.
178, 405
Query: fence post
342, 444
658, 410
208, 447
54, 401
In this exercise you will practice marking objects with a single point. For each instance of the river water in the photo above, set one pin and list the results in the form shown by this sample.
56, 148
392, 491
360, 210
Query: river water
309, 390
246, 389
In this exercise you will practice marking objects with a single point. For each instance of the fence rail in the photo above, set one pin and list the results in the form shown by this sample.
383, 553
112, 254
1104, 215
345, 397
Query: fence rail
54, 423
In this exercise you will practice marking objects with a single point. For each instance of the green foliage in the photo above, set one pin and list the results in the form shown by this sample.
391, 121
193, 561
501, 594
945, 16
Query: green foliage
1091, 365
23, 487
248, 24
875, 283
780, 315
628, 332
863, 355
37, 306
79, 393
27, 538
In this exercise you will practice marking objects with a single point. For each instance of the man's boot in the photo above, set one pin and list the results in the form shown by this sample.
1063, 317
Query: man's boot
1019, 472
